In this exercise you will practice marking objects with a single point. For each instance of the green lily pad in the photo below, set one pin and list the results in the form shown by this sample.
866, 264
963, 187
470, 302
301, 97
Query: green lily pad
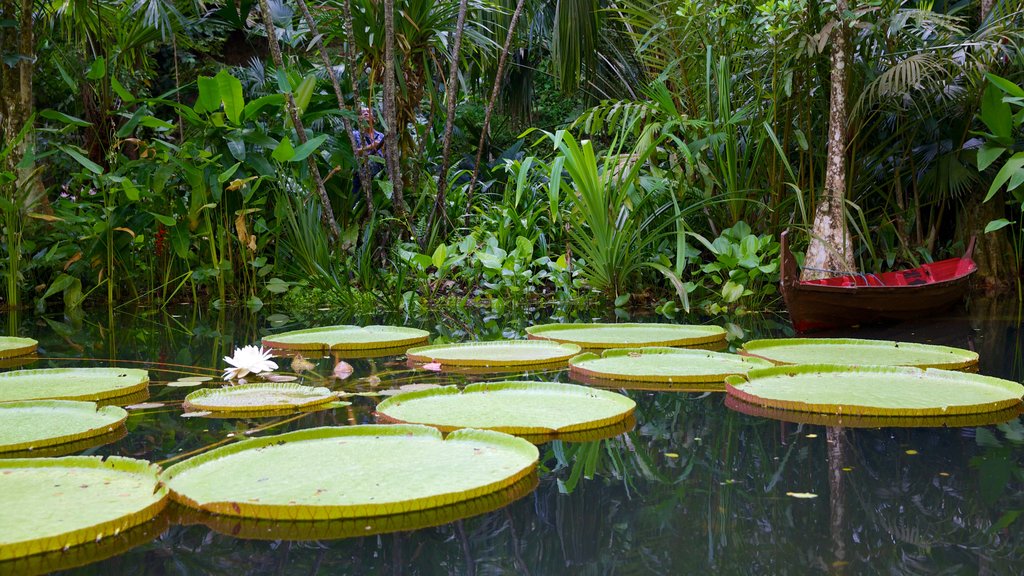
512, 407
628, 335
92, 384
258, 397
856, 351
667, 365
54, 503
349, 472
40, 423
69, 448
347, 338
499, 353
11, 346
858, 421
258, 529
874, 390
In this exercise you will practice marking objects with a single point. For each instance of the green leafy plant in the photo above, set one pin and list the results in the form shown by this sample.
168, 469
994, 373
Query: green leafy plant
744, 271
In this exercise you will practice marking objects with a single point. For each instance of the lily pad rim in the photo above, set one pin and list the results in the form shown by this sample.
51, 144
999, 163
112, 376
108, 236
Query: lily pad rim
108, 394
413, 336
325, 395
540, 332
117, 417
578, 371
966, 358
21, 346
568, 350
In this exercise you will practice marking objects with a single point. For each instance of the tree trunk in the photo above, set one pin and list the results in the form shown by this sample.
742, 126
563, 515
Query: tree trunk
451, 92
831, 249
392, 156
326, 214
490, 103
361, 163
16, 81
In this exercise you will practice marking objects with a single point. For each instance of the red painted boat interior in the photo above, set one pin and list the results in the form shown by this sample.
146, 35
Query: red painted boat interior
941, 271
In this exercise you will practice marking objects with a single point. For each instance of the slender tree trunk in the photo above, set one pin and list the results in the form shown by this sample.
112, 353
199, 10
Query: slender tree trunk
361, 163
490, 103
392, 155
326, 214
16, 80
451, 92
831, 248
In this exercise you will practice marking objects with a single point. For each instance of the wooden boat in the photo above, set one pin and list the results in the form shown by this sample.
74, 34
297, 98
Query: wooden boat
854, 299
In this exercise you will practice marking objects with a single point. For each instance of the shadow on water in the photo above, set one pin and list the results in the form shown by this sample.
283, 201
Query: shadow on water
694, 487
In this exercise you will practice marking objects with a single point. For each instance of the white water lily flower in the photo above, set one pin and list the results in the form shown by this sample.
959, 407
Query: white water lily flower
249, 359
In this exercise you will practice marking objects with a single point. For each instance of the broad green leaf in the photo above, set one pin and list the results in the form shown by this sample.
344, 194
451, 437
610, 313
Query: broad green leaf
130, 190
440, 255
628, 335
995, 113
123, 94
304, 150
58, 285
997, 225
39, 423
499, 353
411, 466
82, 160
732, 291
519, 408
304, 92
258, 397
874, 390
230, 91
165, 220
64, 118
93, 384
344, 337
97, 497
664, 365
209, 98
98, 69
284, 151
858, 351
1005, 85
253, 108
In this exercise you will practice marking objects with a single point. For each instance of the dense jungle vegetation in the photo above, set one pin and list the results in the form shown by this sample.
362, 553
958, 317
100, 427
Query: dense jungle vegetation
642, 152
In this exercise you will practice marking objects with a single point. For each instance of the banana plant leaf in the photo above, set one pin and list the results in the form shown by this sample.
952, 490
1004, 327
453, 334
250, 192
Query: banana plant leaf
520, 408
49, 504
857, 351
350, 472
666, 365
499, 353
628, 335
35, 424
874, 390
269, 397
92, 384
11, 346
345, 337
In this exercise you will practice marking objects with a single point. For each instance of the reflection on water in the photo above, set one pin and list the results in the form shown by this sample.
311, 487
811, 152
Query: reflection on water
694, 487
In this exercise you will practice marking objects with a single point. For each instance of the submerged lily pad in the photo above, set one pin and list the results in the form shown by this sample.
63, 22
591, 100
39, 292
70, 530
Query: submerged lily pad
41, 423
93, 384
87, 498
668, 365
257, 529
512, 407
874, 390
349, 472
258, 397
345, 337
855, 351
499, 353
628, 335
11, 346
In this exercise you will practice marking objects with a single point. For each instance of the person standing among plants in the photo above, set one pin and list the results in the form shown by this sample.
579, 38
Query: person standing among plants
369, 143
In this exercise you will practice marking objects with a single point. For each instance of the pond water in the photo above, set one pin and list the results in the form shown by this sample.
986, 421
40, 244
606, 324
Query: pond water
695, 487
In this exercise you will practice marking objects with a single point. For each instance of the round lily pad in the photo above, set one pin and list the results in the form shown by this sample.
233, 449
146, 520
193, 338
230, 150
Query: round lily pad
258, 529
348, 472
499, 353
512, 407
857, 421
93, 384
54, 503
11, 346
258, 397
874, 390
40, 423
628, 335
347, 338
856, 351
671, 365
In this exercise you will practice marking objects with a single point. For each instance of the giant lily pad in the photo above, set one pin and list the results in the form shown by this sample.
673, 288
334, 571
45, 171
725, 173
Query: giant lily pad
349, 472
54, 503
512, 407
499, 353
93, 384
666, 365
259, 397
874, 390
628, 335
258, 529
856, 351
40, 423
347, 338
11, 346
